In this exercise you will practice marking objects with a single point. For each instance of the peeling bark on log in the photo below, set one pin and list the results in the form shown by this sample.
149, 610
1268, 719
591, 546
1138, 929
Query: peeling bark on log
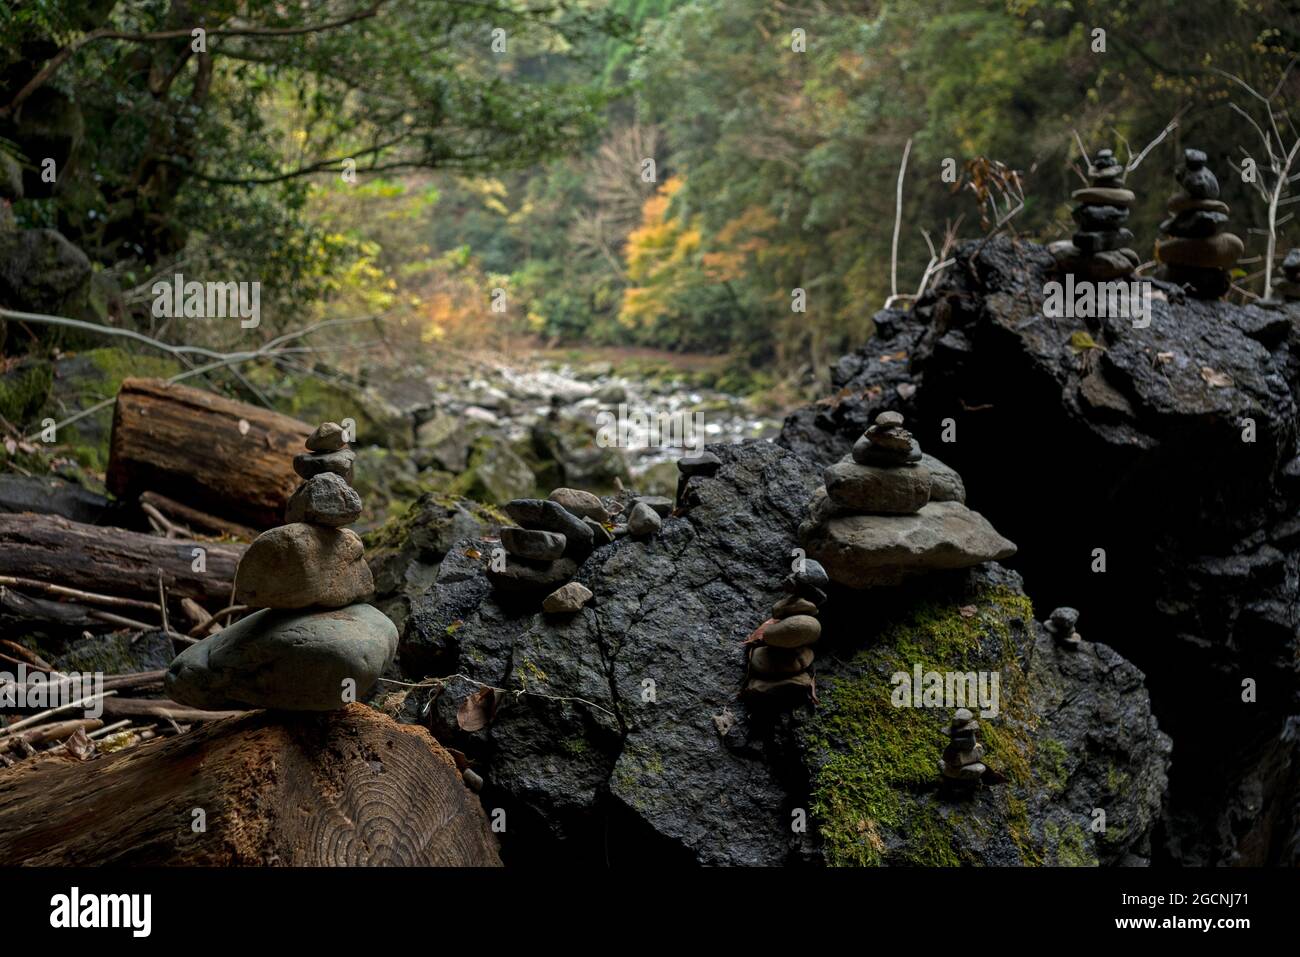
345, 788
190, 445
113, 561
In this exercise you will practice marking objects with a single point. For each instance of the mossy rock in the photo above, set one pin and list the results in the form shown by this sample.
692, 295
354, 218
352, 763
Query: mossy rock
496, 473
1073, 735
90, 377
314, 399
24, 387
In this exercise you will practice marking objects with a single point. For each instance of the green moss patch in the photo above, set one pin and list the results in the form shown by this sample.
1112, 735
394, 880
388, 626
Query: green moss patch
875, 766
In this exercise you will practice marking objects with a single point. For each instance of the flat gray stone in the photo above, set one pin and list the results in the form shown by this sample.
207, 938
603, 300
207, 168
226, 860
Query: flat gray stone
532, 543
863, 551
550, 516
872, 488
294, 661
522, 577
314, 463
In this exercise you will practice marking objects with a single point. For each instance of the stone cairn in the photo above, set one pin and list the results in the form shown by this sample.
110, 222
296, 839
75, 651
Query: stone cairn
1195, 252
315, 645
699, 464
781, 653
1099, 250
554, 537
962, 766
888, 512
1061, 624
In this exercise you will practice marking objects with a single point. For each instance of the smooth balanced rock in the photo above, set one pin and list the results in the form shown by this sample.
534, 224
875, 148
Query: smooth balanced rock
324, 499
548, 516
567, 599
300, 565
769, 661
863, 551
1061, 625
533, 543
700, 463
868, 488
1193, 250
294, 661
314, 463
328, 437
580, 503
797, 631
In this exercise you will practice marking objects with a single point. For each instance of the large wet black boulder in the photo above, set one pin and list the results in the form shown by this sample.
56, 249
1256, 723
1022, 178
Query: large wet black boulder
618, 734
1171, 447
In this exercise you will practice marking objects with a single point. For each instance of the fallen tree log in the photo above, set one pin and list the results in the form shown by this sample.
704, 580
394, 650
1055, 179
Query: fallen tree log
345, 788
220, 456
114, 561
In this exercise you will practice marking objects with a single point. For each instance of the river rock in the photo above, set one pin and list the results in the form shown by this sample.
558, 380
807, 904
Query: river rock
580, 503
869, 488
324, 499
300, 566
532, 543
863, 551
797, 687
287, 660
314, 463
550, 516
797, 631
643, 520
328, 437
567, 599
1104, 197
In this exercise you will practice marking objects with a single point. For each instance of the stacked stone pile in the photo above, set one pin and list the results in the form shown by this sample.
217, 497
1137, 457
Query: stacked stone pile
1195, 252
1099, 250
315, 645
889, 512
781, 653
962, 766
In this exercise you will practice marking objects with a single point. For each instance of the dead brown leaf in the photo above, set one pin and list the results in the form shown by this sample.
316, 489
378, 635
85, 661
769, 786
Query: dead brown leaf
477, 711
1216, 380
79, 746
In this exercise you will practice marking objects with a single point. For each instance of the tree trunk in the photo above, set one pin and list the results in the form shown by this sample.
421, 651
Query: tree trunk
211, 453
346, 788
115, 561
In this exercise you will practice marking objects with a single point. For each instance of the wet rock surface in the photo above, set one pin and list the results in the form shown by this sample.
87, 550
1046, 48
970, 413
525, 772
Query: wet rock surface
1139, 449
622, 736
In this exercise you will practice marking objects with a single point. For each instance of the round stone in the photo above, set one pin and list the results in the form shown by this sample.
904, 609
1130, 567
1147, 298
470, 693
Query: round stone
797, 631
580, 503
328, 437
292, 661
300, 565
890, 420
